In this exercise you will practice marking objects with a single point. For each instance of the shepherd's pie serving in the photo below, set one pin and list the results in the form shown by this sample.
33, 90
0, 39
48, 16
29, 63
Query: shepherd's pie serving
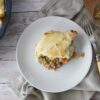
55, 48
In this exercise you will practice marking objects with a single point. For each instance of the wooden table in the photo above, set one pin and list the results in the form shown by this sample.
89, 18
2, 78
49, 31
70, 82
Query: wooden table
24, 12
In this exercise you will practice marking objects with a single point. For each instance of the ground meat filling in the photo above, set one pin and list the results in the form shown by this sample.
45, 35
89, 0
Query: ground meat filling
50, 64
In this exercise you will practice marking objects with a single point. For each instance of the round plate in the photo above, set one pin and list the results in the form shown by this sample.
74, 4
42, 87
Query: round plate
64, 78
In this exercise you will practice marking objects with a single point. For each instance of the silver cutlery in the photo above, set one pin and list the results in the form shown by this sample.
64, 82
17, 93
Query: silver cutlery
87, 25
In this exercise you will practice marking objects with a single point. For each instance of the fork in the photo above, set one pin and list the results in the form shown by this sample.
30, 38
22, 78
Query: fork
87, 25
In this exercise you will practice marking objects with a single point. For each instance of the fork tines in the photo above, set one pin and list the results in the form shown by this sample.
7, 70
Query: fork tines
87, 25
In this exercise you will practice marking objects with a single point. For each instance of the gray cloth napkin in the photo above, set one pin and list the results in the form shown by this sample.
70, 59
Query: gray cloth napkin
83, 91
24, 91
65, 8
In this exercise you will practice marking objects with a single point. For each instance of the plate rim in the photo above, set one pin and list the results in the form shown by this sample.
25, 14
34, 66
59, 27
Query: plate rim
22, 73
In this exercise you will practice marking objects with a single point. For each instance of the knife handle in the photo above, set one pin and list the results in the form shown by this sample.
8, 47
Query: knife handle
98, 61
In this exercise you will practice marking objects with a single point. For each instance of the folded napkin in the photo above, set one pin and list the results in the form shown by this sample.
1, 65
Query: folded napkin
83, 91
24, 91
64, 8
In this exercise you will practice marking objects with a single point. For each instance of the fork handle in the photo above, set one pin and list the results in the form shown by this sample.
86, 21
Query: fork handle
98, 61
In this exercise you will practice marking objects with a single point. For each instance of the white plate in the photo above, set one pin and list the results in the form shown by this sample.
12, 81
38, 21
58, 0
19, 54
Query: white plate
64, 78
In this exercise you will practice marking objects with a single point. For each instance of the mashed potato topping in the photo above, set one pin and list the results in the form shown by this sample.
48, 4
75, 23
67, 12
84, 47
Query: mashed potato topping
55, 48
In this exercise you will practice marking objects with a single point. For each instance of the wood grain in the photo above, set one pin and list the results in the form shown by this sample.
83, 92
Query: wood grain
24, 13
9, 41
19, 21
27, 5
8, 71
7, 53
6, 93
